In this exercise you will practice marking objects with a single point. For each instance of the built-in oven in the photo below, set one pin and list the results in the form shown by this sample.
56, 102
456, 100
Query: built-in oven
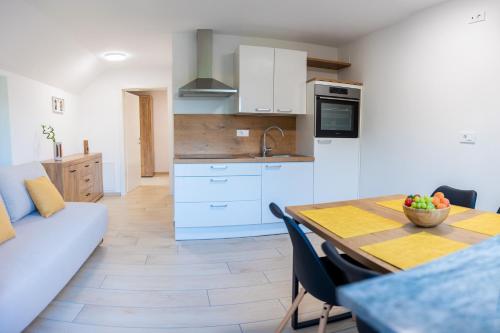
336, 111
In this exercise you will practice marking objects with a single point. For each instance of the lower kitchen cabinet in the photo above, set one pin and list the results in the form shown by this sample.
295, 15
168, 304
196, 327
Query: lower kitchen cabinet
217, 214
232, 200
285, 184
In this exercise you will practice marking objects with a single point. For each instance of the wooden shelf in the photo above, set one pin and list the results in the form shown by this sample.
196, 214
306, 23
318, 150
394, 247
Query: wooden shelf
327, 64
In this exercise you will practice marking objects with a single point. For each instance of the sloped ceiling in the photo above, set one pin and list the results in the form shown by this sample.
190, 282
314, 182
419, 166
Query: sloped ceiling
61, 42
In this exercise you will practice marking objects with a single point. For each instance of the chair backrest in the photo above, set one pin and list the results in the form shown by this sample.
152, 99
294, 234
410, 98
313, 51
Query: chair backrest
276, 210
308, 267
352, 272
464, 198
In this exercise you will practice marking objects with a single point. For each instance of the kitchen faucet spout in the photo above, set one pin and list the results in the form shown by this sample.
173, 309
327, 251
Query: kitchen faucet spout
265, 148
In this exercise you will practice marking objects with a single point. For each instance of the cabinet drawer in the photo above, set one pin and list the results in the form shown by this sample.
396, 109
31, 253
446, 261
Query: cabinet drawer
218, 169
86, 168
208, 189
213, 214
86, 181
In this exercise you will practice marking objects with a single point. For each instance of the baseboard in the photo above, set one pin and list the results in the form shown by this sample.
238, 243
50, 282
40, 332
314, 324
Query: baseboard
232, 231
112, 194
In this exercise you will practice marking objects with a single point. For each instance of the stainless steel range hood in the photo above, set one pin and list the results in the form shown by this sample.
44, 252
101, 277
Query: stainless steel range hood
205, 85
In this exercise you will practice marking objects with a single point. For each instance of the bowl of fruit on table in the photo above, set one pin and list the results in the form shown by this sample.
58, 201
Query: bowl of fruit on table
425, 211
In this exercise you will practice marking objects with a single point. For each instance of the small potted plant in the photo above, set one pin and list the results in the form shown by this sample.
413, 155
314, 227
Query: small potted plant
49, 132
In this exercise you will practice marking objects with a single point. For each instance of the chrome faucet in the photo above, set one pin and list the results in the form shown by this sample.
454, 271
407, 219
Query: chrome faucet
265, 148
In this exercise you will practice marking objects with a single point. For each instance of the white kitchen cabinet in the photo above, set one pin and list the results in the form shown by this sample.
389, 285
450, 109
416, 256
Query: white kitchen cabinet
336, 169
290, 73
255, 78
217, 214
270, 80
285, 184
224, 188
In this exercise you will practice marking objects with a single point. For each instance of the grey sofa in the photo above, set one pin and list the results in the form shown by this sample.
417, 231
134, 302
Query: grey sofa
46, 252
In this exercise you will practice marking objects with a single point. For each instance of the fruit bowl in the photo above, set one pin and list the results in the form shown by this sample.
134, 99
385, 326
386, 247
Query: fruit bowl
426, 218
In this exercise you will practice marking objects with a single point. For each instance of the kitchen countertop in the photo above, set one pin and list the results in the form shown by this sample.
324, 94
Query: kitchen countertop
238, 158
458, 293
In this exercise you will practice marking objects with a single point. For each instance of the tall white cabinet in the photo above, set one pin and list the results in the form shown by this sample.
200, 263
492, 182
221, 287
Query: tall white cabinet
270, 80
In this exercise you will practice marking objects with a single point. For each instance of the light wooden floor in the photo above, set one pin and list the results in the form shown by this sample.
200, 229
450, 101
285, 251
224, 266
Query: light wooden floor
141, 280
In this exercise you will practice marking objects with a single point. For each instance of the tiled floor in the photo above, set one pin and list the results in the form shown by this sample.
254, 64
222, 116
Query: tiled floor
141, 280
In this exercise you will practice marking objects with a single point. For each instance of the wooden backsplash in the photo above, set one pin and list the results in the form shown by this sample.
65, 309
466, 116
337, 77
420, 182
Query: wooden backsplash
216, 134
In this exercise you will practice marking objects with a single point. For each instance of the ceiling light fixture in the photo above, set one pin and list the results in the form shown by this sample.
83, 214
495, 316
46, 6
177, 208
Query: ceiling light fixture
115, 56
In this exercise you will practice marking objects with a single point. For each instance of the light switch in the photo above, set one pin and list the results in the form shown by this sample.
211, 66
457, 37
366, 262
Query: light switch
242, 132
468, 137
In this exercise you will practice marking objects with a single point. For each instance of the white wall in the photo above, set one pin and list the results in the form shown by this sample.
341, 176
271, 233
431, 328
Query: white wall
426, 79
5, 152
102, 115
224, 46
30, 106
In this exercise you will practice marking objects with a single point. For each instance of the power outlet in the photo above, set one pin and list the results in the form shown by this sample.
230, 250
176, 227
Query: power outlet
242, 132
468, 137
477, 17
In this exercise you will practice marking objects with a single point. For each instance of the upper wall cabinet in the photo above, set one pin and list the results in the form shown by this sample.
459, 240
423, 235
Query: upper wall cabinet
271, 80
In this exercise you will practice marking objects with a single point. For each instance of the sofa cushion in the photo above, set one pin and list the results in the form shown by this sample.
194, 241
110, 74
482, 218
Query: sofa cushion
43, 257
6, 230
14, 193
45, 196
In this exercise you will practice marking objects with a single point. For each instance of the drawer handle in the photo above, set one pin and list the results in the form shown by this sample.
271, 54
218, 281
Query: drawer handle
277, 166
285, 110
324, 142
218, 206
218, 167
212, 180
71, 171
262, 109
97, 162
87, 165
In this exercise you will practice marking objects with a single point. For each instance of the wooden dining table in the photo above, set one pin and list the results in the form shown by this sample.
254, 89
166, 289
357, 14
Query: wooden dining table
352, 246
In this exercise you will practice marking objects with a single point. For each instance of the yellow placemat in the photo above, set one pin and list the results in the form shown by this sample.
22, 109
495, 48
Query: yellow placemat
350, 221
398, 205
410, 251
488, 224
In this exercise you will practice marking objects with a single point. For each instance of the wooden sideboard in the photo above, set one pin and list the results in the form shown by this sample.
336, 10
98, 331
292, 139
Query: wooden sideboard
77, 177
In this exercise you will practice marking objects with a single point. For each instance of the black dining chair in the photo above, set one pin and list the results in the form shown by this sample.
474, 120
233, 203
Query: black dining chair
353, 274
318, 276
464, 198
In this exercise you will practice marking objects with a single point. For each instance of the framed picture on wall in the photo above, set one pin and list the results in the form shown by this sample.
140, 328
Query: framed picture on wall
58, 105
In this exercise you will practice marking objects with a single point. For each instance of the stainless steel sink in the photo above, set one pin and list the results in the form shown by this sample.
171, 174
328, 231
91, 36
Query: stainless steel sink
281, 155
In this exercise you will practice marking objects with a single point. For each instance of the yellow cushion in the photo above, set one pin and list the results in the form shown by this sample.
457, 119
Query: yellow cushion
45, 195
6, 230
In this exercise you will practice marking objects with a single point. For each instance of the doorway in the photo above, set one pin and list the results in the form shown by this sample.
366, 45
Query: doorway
146, 138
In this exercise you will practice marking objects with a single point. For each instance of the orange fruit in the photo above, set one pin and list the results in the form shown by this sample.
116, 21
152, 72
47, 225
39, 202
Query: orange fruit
446, 202
436, 201
439, 195
441, 206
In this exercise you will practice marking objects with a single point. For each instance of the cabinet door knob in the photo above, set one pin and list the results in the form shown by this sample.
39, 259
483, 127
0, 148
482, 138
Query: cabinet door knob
87, 195
87, 180
87, 165
71, 171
